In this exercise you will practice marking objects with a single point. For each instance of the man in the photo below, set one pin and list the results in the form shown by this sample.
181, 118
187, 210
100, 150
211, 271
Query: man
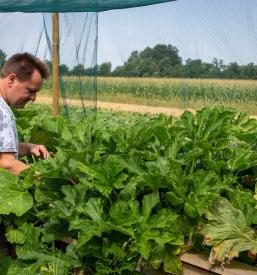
21, 78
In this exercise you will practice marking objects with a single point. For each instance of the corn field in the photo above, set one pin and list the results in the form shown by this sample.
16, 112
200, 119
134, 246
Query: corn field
168, 89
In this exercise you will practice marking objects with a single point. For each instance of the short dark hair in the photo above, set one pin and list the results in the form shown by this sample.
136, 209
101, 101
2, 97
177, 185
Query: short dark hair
23, 65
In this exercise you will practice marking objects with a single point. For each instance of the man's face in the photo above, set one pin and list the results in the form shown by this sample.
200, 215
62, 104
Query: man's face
21, 93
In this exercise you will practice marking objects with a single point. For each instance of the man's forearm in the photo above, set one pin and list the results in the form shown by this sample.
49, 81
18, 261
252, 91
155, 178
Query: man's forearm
14, 167
23, 149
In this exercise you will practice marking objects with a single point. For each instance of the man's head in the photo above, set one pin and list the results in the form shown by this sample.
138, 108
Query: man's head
22, 75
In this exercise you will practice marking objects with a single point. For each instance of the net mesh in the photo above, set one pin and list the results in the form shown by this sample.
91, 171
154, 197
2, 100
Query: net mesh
176, 54
72, 6
78, 33
78, 53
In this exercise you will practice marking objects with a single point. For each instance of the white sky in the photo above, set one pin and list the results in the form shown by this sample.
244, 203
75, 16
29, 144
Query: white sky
205, 29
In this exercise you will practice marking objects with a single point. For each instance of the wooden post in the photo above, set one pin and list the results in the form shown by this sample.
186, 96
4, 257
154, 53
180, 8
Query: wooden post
56, 109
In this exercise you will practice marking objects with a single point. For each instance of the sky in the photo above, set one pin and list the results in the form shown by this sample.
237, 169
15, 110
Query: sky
205, 29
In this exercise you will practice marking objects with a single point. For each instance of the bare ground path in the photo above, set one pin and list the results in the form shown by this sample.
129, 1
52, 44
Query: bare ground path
134, 108
121, 106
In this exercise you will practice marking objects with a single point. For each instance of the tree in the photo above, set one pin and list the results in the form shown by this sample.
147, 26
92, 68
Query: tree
64, 69
164, 61
118, 71
193, 68
133, 57
250, 71
89, 71
131, 67
146, 53
170, 52
78, 70
222, 65
2, 58
177, 71
105, 69
233, 70
166, 66
148, 67
158, 61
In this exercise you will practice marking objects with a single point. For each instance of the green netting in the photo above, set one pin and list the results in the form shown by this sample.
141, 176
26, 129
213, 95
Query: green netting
78, 42
72, 6
78, 51
177, 54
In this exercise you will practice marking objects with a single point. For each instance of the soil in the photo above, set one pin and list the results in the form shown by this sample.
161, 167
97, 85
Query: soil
134, 108
121, 107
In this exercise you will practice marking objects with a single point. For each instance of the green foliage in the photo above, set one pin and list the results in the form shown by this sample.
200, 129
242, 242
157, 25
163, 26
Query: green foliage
14, 197
164, 61
157, 61
178, 91
160, 61
64, 69
133, 192
105, 69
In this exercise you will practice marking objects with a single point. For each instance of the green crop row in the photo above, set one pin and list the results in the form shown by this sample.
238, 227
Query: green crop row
122, 195
219, 91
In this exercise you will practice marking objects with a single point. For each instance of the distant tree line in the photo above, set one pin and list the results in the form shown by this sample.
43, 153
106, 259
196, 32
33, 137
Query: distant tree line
161, 61
164, 61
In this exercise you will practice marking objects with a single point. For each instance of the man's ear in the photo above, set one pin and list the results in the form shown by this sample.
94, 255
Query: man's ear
11, 78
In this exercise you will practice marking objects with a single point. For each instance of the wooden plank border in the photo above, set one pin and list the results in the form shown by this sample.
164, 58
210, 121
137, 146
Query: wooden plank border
198, 264
201, 261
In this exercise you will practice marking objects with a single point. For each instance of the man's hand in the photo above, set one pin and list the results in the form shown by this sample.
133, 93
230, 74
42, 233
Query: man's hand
33, 149
39, 151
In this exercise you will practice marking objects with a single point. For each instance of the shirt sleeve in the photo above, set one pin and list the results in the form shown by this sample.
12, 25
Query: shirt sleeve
7, 133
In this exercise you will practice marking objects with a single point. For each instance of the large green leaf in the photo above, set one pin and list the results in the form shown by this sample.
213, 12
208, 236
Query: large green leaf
125, 213
13, 198
89, 231
227, 231
244, 201
160, 229
5, 262
149, 202
17, 235
167, 255
17, 267
33, 250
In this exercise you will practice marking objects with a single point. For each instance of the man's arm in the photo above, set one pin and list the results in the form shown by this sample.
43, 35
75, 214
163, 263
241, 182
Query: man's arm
10, 163
14, 166
33, 149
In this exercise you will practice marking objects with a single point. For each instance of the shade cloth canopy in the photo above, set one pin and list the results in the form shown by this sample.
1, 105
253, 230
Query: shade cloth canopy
72, 6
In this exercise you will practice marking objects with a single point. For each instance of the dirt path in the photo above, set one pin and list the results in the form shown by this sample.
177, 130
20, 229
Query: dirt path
134, 108
121, 107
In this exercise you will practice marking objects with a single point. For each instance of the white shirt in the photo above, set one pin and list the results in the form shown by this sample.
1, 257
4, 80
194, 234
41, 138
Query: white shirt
8, 132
